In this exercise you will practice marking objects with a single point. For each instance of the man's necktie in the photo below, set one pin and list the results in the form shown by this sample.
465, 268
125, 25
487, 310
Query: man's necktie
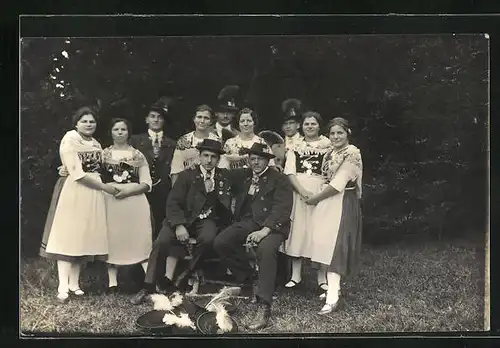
254, 187
156, 146
209, 186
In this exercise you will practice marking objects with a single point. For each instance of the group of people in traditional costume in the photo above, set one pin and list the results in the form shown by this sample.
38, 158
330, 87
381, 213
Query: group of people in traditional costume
140, 200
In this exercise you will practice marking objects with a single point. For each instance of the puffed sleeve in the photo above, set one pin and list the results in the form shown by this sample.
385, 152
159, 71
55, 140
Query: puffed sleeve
229, 146
179, 156
224, 162
177, 162
290, 163
144, 174
69, 157
350, 170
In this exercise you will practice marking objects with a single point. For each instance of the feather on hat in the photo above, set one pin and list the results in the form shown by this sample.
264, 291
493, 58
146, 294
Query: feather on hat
291, 107
162, 105
228, 97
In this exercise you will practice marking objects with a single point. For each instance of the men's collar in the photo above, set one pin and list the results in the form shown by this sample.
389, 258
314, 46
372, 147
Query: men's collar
220, 127
204, 172
261, 173
154, 134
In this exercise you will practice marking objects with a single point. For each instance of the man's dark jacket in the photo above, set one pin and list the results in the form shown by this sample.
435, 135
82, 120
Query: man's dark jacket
188, 197
271, 205
160, 169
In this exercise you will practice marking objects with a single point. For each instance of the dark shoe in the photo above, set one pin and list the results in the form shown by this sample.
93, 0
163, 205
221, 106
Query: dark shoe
139, 297
261, 318
76, 292
323, 287
166, 286
292, 284
112, 290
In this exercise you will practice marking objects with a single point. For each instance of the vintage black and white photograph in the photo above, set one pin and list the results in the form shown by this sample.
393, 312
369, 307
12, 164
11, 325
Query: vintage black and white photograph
228, 185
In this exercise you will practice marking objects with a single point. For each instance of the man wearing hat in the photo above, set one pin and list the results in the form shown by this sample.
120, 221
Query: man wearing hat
226, 111
158, 149
198, 203
262, 217
291, 123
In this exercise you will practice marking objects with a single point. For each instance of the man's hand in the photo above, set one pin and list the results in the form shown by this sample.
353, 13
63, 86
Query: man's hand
256, 236
181, 233
62, 171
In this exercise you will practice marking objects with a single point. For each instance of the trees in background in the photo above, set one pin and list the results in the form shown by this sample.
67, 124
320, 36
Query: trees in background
418, 106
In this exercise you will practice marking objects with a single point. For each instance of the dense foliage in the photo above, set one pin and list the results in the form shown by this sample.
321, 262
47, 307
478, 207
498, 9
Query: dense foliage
418, 106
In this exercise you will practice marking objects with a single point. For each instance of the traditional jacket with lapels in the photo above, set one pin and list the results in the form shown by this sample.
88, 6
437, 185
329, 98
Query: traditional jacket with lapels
307, 157
159, 165
189, 200
271, 202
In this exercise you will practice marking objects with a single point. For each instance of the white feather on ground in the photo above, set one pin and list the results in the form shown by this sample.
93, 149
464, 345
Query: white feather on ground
223, 297
182, 320
222, 318
161, 302
177, 299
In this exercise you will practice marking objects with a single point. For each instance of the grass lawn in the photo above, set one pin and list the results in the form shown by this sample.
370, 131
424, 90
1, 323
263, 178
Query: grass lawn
399, 288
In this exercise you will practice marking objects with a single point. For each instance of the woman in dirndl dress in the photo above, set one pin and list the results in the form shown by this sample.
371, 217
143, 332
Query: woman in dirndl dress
303, 168
78, 231
186, 155
336, 222
128, 212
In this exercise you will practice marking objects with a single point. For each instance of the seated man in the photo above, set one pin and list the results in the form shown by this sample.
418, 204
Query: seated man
198, 203
262, 214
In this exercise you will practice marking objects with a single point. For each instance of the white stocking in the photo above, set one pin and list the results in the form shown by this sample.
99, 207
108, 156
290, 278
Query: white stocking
112, 275
297, 269
322, 275
63, 270
332, 294
170, 267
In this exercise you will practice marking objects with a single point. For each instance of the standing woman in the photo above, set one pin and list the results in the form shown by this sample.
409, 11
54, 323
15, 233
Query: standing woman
79, 230
235, 157
128, 212
186, 155
336, 223
303, 168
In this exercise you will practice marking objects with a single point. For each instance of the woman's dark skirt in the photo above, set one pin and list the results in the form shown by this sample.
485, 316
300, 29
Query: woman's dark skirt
348, 246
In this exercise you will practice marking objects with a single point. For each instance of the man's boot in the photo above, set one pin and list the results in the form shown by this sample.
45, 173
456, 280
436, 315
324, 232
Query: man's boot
261, 318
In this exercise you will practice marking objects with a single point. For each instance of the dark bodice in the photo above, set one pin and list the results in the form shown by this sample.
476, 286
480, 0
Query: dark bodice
120, 173
308, 163
91, 161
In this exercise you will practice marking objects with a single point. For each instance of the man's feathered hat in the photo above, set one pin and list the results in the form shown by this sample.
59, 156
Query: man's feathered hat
228, 98
162, 105
292, 108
